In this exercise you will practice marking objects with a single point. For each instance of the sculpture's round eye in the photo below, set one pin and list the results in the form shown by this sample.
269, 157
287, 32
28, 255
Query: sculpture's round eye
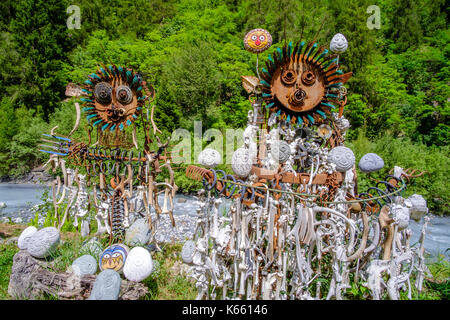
254, 37
262, 37
124, 94
289, 76
102, 92
106, 256
308, 78
116, 255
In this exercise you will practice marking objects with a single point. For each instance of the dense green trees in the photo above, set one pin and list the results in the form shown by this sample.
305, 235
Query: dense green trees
192, 52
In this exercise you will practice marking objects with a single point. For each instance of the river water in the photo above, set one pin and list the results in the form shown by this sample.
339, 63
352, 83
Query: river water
19, 198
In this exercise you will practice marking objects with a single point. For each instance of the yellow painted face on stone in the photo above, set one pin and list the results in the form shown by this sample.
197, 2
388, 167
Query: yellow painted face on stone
114, 257
257, 40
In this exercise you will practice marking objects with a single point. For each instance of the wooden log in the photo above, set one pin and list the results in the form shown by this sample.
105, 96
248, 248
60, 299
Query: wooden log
31, 278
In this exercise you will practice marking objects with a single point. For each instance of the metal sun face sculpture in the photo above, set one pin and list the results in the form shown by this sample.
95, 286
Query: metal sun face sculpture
116, 97
257, 40
301, 83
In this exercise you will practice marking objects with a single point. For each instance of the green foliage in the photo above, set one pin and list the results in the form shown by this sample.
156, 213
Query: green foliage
406, 154
7, 252
192, 53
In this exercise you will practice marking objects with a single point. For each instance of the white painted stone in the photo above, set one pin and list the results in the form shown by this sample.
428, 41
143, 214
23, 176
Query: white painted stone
342, 157
25, 236
43, 242
241, 162
209, 158
139, 264
370, 162
187, 252
338, 43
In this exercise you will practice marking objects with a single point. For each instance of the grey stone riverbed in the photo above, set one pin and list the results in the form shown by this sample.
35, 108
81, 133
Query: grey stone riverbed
21, 201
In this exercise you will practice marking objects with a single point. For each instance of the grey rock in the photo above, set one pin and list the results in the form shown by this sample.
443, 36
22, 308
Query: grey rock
92, 247
106, 286
24, 238
370, 162
181, 200
85, 265
138, 233
342, 157
187, 252
43, 242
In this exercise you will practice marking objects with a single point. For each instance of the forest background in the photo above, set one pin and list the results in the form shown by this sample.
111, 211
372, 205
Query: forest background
192, 52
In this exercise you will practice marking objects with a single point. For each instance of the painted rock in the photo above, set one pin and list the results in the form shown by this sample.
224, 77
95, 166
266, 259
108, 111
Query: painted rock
138, 234
106, 286
370, 162
25, 236
43, 242
241, 163
93, 247
85, 265
209, 158
187, 252
114, 257
400, 215
338, 43
418, 206
280, 150
139, 264
342, 157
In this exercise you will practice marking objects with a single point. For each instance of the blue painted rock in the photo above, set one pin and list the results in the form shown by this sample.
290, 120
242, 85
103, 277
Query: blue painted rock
106, 286
139, 264
25, 236
85, 265
93, 247
370, 162
138, 233
43, 242
187, 252
342, 157
114, 257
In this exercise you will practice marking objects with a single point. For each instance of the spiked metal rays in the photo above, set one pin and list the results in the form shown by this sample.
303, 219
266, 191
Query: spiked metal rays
301, 83
114, 98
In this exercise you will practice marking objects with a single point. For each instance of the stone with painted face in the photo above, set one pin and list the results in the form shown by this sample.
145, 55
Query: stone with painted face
339, 43
114, 257
257, 40
342, 157
209, 158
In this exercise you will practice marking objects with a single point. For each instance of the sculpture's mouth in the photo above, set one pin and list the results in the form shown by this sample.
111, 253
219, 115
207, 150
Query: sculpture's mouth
116, 113
297, 97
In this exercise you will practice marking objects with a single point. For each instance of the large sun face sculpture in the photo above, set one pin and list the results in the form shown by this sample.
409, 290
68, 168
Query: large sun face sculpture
301, 83
116, 96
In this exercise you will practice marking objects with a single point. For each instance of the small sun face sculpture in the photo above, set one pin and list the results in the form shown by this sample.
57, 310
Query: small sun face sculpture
116, 97
257, 40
